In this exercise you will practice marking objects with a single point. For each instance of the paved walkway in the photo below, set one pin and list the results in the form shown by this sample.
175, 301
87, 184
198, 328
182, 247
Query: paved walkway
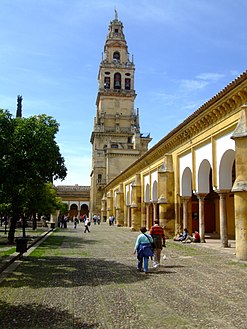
89, 280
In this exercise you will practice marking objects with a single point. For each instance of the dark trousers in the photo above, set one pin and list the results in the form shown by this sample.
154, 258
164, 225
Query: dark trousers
86, 229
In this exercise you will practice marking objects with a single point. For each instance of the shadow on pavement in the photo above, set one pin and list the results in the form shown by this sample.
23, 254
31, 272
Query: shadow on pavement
71, 272
33, 316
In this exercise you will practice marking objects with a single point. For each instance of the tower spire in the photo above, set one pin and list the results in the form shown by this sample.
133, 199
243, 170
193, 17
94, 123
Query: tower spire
19, 106
116, 14
116, 139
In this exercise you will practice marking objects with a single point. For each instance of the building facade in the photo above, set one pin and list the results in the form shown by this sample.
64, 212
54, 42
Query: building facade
195, 177
116, 139
76, 197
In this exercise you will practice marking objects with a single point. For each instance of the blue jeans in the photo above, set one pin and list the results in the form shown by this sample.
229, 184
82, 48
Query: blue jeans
140, 261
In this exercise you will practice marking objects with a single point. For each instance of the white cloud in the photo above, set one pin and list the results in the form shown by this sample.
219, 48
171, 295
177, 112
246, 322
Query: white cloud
191, 85
210, 76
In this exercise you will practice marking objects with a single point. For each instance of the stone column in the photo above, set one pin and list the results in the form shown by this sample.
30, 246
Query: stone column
240, 185
128, 216
185, 200
103, 213
146, 223
166, 190
136, 204
109, 204
119, 208
201, 197
134, 220
162, 210
143, 214
154, 212
223, 218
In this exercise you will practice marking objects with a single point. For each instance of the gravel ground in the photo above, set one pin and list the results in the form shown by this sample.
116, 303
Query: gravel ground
89, 280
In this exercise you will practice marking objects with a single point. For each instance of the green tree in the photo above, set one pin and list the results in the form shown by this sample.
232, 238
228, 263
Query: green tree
42, 200
64, 208
31, 159
6, 132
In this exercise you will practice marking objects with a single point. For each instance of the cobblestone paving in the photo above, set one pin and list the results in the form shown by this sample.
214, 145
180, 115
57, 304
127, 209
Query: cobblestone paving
89, 280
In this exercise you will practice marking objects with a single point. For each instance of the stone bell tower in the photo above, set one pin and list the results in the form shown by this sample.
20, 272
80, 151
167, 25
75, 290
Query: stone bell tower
116, 139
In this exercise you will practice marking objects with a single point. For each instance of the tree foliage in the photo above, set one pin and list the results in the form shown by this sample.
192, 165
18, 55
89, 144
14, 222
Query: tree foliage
29, 159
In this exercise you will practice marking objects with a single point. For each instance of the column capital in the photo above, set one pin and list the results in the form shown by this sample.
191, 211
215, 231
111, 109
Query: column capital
162, 199
222, 192
239, 185
200, 195
133, 205
185, 198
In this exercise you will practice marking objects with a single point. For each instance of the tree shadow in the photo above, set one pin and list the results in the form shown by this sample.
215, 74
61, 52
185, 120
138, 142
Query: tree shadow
62, 239
34, 316
69, 272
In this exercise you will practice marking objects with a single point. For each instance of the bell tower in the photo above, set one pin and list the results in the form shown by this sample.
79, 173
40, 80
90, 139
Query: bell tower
116, 139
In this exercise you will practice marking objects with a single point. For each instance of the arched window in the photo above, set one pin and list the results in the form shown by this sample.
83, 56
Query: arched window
116, 56
127, 83
117, 81
107, 82
99, 178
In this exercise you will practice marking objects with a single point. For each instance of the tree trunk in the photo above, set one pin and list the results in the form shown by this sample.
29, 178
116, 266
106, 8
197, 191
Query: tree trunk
11, 235
34, 221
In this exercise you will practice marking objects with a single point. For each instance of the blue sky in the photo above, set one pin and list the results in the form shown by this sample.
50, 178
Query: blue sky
185, 52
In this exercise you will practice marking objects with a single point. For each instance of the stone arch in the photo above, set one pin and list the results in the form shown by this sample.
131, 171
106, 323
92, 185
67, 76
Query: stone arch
227, 177
203, 177
186, 183
147, 193
127, 198
116, 55
226, 169
117, 80
84, 210
155, 191
73, 210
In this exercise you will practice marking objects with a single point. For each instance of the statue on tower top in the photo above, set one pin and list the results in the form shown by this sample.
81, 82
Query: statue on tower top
116, 14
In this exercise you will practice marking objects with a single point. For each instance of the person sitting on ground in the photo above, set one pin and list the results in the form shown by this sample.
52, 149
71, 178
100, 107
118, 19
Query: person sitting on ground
181, 237
194, 238
157, 233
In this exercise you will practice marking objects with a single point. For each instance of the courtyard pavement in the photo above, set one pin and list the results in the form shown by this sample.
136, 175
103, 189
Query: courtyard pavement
89, 280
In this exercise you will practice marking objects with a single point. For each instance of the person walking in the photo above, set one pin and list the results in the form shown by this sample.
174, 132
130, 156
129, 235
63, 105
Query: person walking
86, 225
143, 249
158, 235
76, 222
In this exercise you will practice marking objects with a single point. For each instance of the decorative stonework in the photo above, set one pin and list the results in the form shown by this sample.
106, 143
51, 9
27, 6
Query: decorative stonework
116, 139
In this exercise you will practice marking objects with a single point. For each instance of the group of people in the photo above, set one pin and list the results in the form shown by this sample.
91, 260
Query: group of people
151, 244
96, 219
186, 238
63, 220
111, 220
